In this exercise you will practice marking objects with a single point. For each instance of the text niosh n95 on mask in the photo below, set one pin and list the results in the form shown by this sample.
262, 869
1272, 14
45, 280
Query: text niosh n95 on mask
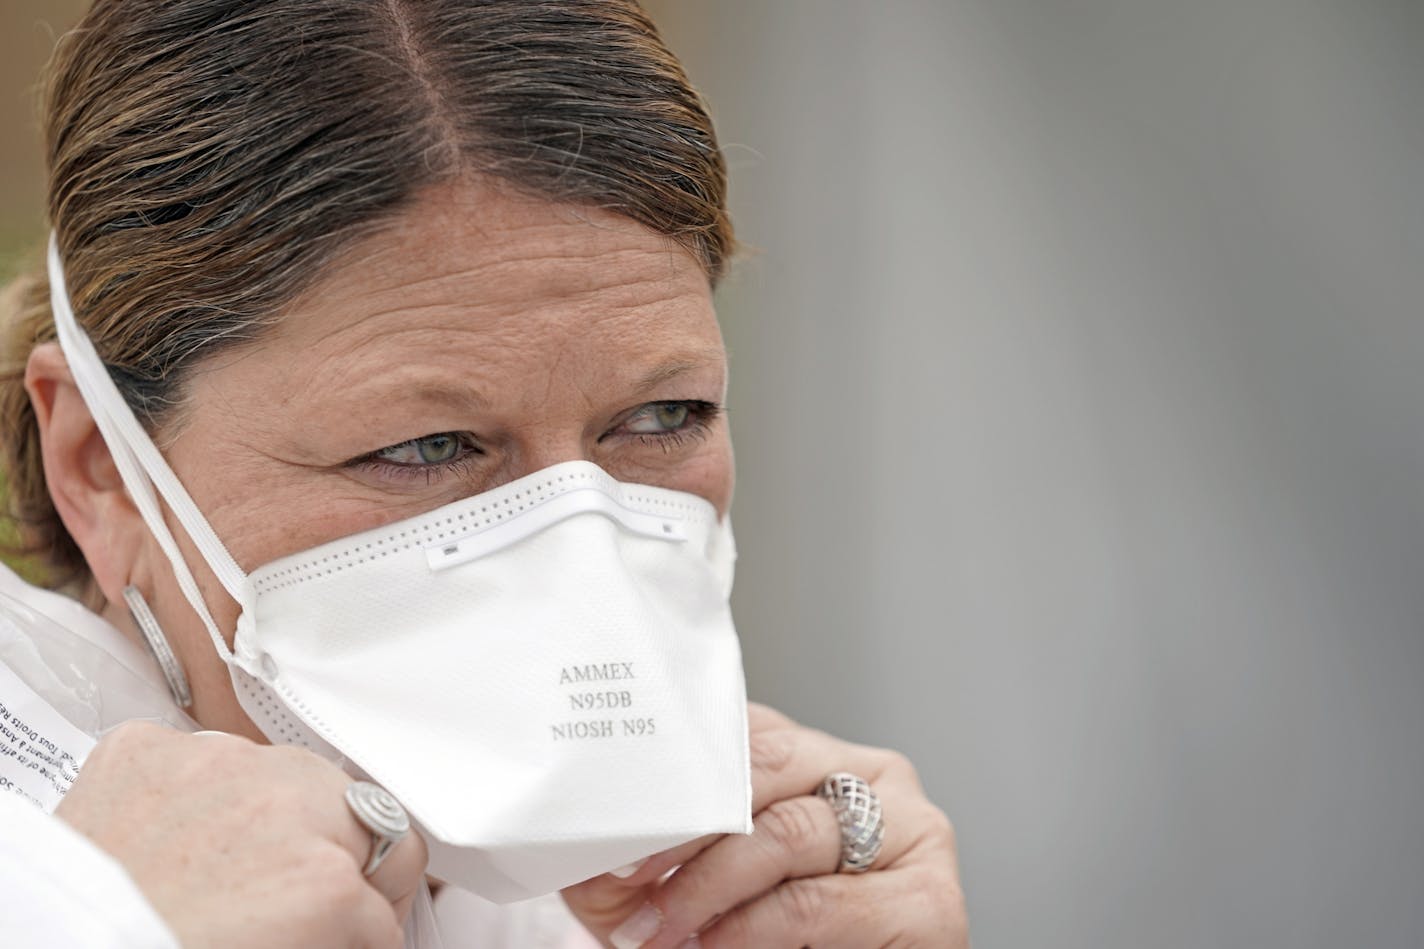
546, 675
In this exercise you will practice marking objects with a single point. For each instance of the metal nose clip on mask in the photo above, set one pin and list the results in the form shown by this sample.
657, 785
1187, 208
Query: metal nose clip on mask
545, 675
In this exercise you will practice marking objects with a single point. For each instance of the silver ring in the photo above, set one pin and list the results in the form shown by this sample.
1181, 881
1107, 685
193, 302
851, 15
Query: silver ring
379, 812
862, 823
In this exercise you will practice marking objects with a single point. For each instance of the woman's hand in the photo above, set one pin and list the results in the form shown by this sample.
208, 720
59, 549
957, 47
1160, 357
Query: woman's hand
240, 844
778, 887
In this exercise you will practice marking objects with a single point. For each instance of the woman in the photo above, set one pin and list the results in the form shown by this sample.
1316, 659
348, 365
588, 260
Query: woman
328, 275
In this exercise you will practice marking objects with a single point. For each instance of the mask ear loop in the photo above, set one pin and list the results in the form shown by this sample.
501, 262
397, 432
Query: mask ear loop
140, 464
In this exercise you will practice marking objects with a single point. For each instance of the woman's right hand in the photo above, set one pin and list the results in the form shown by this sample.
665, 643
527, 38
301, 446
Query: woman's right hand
240, 844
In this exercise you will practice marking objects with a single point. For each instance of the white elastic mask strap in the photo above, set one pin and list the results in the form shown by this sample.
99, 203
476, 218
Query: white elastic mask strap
139, 462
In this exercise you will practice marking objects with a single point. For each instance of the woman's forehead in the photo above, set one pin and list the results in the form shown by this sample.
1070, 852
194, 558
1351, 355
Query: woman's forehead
492, 246
478, 282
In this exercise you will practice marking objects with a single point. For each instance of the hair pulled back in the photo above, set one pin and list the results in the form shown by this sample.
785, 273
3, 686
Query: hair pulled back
207, 158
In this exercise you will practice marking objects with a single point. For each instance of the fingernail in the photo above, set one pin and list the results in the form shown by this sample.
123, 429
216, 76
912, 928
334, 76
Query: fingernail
692, 942
624, 873
637, 929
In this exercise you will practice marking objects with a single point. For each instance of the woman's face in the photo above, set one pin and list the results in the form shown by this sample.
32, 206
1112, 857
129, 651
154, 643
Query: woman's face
483, 337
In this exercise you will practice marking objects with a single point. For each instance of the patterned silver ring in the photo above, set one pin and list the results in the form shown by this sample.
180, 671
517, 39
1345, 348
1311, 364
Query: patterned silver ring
381, 814
862, 823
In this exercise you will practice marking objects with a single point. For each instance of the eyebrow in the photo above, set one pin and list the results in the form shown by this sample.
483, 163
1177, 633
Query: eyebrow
459, 399
675, 368
463, 399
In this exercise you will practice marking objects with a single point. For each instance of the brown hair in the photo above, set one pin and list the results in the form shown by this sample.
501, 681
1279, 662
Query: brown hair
208, 157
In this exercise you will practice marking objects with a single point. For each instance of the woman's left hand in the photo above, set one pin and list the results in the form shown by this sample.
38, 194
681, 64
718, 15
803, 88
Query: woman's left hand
779, 886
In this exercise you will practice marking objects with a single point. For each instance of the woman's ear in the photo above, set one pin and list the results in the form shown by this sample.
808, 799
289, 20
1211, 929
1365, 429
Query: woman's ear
83, 481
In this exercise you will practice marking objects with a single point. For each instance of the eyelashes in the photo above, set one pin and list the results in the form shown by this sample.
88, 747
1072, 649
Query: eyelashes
435, 456
669, 426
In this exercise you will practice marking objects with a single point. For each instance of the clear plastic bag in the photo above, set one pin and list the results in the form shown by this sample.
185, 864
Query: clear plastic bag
421, 931
89, 686
95, 690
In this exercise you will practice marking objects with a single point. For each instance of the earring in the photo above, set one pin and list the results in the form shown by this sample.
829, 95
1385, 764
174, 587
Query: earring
158, 644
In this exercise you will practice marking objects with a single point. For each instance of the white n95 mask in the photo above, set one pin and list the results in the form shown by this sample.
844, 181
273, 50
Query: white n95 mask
545, 675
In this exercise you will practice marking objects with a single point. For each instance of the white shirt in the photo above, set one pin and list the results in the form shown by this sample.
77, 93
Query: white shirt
58, 889
66, 674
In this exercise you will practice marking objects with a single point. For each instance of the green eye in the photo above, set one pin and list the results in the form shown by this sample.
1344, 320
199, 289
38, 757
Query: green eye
437, 448
672, 414
660, 418
429, 450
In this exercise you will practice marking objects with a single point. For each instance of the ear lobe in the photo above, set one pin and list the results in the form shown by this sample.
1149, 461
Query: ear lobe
83, 481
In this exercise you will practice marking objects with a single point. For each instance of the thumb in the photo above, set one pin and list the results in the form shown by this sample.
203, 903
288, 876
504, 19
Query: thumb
604, 901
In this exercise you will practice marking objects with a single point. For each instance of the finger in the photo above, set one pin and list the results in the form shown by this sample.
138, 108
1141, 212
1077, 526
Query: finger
400, 873
795, 838
788, 760
403, 907
607, 900
828, 912
324, 800
402, 868
603, 902
653, 868
761, 716
375, 922
907, 819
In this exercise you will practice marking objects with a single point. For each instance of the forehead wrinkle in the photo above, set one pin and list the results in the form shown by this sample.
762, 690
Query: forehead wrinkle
494, 336
402, 311
611, 298
457, 378
493, 333
444, 301
368, 341
514, 272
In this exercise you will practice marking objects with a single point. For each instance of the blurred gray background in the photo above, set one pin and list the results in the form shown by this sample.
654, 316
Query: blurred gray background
1079, 411
1080, 425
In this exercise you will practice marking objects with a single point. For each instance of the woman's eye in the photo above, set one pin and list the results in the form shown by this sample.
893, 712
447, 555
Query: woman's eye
428, 458
428, 450
659, 417
668, 424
